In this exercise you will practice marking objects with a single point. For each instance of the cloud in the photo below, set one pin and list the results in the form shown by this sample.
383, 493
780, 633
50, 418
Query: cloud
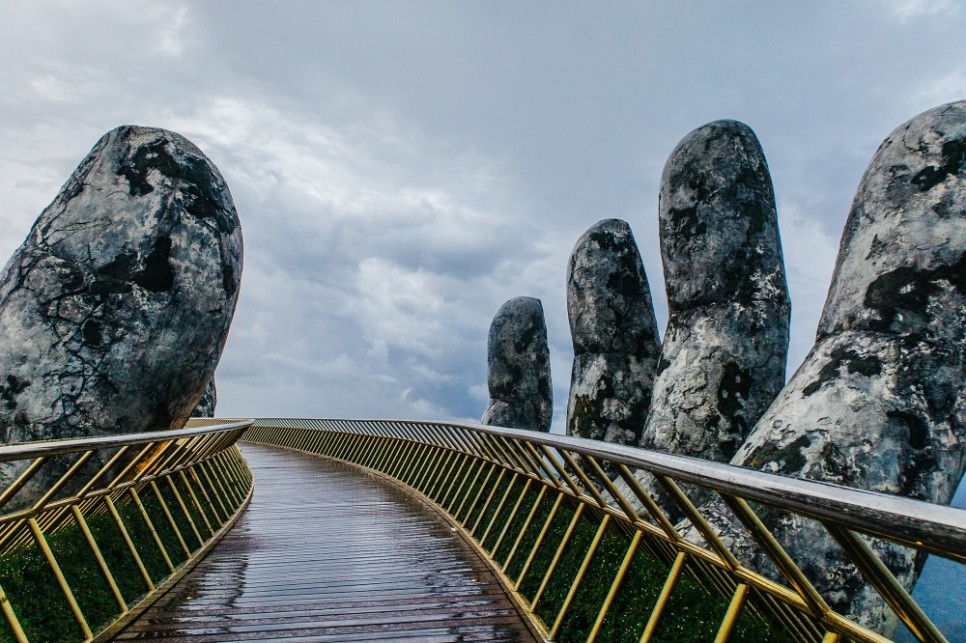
810, 252
172, 32
350, 260
400, 172
906, 10
942, 89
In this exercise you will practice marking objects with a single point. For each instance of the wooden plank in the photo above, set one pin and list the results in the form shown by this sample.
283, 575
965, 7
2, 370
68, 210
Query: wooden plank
325, 553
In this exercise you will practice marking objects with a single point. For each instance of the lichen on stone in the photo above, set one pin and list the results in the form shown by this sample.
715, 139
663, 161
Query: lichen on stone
115, 310
614, 335
877, 403
723, 357
518, 367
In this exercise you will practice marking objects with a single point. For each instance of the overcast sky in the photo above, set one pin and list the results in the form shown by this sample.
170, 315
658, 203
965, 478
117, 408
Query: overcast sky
403, 168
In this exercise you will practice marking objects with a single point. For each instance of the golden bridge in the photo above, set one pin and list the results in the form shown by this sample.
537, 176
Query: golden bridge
356, 530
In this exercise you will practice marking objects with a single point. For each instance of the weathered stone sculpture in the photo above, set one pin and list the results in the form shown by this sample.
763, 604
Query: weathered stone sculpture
723, 358
614, 333
518, 367
114, 311
878, 402
206, 405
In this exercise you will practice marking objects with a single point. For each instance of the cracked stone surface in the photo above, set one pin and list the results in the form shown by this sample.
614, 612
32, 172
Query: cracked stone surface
206, 405
114, 311
518, 367
878, 402
723, 358
614, 334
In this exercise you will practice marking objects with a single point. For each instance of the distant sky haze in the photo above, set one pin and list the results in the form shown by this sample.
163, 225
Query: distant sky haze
401, 169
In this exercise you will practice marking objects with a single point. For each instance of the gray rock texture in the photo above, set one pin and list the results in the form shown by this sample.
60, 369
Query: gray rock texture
878, 402
114, 311
206, 405
615, 338
518, 367
723, 358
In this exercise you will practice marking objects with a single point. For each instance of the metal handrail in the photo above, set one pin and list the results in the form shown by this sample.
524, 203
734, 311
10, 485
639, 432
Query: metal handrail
934, 528
140, 509
462, 468
23, 450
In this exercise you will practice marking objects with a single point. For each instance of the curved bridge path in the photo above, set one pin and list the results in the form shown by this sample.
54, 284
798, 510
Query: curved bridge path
325, 553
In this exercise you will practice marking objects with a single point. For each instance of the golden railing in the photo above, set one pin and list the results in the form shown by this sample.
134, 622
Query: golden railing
93, 530
587, 562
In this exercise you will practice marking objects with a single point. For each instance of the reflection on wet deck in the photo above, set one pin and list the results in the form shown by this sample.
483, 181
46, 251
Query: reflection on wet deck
325, 553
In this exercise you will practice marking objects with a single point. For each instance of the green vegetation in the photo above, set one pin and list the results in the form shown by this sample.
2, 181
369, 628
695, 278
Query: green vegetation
694, 610
35, 595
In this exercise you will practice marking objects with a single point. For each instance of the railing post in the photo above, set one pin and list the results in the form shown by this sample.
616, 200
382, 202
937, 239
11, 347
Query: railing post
59, 575
11, 617
556, 557
580, 576
184, 510
130, 543
195, 502
154, 532
536, 545
101, 563
171, 521
669, 584
615, 585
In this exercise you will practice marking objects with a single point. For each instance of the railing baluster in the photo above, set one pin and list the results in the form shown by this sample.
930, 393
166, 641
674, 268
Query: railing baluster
556, 557
615, 585
417, 451
228, 467
499, 507
154, 532
341, 447
442, 472
672, 579
536, 545
367, 451
184, 510
21, 480
580, 576
786, 566
428, 467
461, 467
875, 572
382, 454
170, 518
214, 483
11, 617
195, 502
584, 479
523, 530
101, 563
59, 575
397, 465
512, 516
466, 494
489, 499
479, 493
731, 616
204, 493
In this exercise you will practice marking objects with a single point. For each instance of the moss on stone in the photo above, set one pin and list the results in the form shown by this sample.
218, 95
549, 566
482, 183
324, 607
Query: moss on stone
868, 365
790, 458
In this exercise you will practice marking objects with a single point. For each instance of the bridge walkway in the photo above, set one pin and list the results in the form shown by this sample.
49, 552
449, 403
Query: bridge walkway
326, 554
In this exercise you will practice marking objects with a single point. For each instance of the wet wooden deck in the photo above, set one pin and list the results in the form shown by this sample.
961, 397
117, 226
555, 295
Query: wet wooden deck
326, 553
